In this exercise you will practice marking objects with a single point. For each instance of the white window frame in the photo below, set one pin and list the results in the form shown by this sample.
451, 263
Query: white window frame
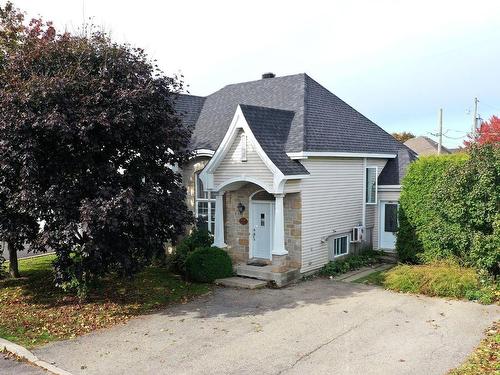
346, 236
366, 185
243, 143
210, 203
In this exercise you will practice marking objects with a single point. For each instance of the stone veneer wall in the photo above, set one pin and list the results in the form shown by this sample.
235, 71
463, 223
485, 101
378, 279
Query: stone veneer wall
189, 178
236, 235
292, 205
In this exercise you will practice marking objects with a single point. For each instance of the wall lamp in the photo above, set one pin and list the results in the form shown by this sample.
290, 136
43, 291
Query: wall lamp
241, 208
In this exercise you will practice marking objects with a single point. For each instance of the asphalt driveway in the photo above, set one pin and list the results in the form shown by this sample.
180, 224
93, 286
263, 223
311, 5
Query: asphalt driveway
318, 326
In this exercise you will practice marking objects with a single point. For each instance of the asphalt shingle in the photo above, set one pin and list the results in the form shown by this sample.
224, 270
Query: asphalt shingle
321, 121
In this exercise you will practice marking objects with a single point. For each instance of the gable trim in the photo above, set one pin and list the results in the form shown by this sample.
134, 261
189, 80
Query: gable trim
239, 122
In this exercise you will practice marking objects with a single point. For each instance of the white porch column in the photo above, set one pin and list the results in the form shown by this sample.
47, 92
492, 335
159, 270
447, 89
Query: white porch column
279, 226
219, 220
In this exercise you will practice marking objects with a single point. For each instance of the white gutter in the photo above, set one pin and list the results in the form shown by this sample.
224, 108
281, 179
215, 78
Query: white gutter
307, 154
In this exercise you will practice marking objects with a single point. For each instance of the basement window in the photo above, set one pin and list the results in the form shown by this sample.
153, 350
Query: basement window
340, 246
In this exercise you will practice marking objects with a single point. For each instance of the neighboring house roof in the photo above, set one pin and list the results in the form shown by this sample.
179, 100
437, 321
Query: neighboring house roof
321, 121
425, 146
271, 128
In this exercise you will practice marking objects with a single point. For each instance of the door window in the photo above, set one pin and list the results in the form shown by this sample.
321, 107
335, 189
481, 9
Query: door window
391, 217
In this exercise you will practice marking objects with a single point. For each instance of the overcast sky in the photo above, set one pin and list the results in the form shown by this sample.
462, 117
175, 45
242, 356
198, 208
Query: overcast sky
395, 62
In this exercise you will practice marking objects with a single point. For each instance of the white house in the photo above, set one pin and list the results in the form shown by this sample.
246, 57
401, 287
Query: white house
287, 174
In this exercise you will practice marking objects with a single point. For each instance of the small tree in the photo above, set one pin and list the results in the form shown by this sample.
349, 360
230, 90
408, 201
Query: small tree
403, 136
89, 134
488, 133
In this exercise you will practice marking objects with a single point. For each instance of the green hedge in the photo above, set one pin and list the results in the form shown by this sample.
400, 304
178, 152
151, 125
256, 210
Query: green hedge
208, 264
449, 208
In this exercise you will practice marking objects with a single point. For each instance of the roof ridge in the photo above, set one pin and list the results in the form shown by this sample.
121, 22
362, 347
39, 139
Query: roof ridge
261, 79
188, 94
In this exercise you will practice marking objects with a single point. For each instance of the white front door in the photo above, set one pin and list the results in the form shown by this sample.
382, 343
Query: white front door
260, 235
388, 224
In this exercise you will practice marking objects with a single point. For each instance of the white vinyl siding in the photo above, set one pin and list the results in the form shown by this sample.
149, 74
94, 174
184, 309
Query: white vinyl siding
332, 200
392, 196
233, 166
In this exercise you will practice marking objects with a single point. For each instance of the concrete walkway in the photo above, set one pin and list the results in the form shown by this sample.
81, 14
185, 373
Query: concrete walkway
362, 272
319, 326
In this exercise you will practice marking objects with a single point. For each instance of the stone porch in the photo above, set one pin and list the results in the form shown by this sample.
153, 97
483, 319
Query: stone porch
284, 265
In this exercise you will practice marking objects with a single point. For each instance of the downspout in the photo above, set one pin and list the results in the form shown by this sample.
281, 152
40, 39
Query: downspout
363, 194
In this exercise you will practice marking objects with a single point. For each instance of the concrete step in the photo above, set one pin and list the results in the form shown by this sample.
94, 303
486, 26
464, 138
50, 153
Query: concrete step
278, 279
241, 282
256, 272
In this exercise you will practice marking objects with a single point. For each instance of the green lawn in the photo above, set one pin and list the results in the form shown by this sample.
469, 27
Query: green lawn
33, 311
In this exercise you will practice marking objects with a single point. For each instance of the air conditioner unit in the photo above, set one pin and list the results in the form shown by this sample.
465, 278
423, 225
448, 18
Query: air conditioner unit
357, 233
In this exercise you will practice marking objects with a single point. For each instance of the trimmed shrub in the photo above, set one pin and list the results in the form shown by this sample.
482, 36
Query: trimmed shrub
449, 209
207, 264
199, 238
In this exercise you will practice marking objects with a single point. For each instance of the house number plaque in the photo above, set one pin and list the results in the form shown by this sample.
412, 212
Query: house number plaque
243, 221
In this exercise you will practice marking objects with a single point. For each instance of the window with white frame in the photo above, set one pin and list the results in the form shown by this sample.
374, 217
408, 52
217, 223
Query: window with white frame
243, 147
371, 185
204, 206
340, 246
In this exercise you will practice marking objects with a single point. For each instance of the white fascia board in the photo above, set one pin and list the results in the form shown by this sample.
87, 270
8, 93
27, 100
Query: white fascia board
296, 176
308, 154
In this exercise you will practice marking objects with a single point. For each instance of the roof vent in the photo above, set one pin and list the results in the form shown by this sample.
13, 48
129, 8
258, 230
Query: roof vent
268, 75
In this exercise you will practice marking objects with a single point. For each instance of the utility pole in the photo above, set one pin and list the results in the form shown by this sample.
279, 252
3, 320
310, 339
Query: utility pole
440, 130
474, 118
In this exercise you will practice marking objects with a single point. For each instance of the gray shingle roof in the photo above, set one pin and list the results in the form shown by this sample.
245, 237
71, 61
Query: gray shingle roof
395, 169
321, 121
271, 128
189, 107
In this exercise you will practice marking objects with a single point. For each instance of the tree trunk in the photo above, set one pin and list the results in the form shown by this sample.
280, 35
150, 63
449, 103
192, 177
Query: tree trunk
13, 264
